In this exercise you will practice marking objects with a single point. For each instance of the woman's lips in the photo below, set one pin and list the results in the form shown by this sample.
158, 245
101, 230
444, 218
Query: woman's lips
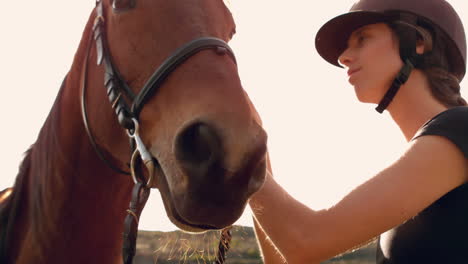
352, 71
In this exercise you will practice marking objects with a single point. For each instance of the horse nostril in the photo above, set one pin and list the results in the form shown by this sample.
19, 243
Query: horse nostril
197, 147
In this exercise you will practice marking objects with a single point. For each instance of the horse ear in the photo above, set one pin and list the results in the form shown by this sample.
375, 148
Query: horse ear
123, 5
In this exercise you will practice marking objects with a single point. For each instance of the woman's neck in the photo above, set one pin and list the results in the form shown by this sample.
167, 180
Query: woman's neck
414, 105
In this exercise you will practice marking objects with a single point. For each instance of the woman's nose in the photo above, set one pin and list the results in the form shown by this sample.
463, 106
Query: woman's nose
345, 58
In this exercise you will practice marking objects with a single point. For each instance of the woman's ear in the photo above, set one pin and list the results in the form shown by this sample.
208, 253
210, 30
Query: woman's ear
420, 47
424, 42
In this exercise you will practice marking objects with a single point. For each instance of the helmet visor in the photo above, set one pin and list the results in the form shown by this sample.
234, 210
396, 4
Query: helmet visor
332, 38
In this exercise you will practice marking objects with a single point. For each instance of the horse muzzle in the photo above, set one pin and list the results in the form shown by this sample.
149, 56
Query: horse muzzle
220, 172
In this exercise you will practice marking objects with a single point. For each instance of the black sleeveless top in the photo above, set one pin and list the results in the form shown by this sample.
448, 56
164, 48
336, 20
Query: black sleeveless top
438, 234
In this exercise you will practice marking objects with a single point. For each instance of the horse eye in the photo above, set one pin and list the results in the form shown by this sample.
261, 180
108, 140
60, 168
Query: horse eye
123, 5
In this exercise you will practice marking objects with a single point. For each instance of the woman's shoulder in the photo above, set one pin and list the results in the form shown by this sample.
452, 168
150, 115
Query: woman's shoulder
459, 113
451, 124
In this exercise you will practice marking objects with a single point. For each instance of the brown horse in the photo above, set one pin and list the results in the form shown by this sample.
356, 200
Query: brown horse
68, 206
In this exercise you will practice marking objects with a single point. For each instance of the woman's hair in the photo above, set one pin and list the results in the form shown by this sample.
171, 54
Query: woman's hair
435, 62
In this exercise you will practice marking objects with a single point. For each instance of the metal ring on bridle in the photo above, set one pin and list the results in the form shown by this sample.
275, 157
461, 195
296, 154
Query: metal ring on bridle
145, 156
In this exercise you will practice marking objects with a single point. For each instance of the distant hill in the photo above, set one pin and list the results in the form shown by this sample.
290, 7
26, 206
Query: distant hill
183, 248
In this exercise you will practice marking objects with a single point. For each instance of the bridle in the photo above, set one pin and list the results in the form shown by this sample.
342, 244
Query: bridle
128, 118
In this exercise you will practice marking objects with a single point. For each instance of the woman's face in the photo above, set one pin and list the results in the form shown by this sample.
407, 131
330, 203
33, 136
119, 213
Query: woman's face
372, 61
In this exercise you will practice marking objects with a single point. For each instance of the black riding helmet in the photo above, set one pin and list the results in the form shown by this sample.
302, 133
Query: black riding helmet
331, 39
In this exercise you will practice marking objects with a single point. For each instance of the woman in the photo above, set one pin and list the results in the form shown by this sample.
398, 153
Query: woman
408, 57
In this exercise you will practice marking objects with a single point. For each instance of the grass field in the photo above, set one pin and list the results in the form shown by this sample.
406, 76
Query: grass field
182, 248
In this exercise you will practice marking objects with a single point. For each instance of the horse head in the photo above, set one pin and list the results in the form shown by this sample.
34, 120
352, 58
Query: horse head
198, 125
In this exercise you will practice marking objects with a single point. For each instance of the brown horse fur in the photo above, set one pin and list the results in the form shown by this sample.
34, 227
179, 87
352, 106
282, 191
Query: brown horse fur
67, 206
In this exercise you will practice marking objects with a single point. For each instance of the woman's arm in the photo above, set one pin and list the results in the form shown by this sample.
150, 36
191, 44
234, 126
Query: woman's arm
269, 252
431, 167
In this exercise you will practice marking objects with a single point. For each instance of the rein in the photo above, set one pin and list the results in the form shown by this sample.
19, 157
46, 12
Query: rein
128, 118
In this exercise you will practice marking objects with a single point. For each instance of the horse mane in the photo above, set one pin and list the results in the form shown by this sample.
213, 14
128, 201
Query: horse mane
48, 189
40, 183
30, 200
9, 209
41, 179
38, 170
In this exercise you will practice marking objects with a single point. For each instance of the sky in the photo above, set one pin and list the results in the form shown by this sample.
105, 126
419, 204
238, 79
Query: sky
322, 141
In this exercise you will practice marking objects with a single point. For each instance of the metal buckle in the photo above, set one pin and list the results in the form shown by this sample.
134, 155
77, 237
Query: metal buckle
145, 156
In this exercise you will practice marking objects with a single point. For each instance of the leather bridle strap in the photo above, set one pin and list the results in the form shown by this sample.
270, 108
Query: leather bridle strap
173, 61
223, 245
113, 81
84, 114
140, 195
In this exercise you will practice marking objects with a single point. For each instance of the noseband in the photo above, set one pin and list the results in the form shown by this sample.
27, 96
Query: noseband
128, 118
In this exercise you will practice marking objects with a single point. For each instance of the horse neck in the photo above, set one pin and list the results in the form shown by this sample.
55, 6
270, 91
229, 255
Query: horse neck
75, 205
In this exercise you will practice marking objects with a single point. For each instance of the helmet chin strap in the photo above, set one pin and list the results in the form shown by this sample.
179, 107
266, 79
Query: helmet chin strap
408, 55
400, 79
